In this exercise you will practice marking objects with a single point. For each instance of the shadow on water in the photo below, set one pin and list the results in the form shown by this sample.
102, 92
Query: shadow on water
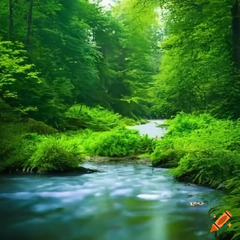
121, 202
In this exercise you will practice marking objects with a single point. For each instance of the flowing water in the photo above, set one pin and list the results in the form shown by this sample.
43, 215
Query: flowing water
120, 202
151, 128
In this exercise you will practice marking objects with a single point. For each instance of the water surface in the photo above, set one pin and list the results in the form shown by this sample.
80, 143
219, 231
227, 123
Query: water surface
151, 128
122, 202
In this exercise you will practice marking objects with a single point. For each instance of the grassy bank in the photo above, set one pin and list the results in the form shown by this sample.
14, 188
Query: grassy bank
203, 150
33, 146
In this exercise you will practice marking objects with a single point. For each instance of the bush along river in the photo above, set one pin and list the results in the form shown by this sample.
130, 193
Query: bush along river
121, 201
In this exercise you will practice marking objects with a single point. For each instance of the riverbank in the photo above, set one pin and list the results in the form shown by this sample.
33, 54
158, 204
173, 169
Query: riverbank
33, 146
197, 149
203, 150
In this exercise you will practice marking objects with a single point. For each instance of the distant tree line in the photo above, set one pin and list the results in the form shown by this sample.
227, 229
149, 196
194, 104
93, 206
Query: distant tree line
56, 53
200, 67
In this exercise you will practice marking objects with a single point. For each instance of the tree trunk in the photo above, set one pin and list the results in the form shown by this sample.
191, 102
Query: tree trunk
10, 27
29, 23
236, 32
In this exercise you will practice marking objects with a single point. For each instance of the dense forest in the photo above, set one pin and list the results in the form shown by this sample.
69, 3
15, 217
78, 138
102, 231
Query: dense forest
74, 74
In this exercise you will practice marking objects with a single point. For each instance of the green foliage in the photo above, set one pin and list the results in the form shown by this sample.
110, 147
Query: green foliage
231, 203
74, 52
44, 153
205, 151
118, 143
141, 55
18, 142
52, 155
10, 139
200, 146
96, 118
207, 167
15, 75
39, 127
166, 154
197, 72
22, 151
183, 124
34, 146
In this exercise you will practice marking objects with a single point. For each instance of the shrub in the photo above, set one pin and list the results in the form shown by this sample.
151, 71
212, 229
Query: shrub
183, 124
22, 151
118, 143
207, 167
214, 135
96, 118
51, 155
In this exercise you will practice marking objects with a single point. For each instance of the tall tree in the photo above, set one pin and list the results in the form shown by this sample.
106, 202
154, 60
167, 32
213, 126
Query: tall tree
196, 72
140, 46
29, 23
236, 32
10, 29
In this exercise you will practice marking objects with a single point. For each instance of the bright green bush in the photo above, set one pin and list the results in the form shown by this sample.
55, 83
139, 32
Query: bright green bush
23, 151
96, 118
166, 158
118, 142
183, 124
210, 168
214, 135
53, 155
18, 142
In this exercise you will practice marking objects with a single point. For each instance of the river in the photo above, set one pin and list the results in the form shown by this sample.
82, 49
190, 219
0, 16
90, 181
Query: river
120, 202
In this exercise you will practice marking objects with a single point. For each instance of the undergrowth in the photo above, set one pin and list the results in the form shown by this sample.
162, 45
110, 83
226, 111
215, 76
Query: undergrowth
34, 146
205, 150
95, 118
118, 143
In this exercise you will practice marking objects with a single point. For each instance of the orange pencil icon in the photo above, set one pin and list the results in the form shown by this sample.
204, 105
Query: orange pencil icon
221, 221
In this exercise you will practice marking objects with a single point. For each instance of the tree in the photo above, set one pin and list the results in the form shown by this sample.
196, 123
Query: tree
18, 79
140, 46
196, 72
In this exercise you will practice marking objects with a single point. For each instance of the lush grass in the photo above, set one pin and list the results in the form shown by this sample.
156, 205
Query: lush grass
65, 151
118, 143
96, 118
204, 150
35, 146
199, 147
